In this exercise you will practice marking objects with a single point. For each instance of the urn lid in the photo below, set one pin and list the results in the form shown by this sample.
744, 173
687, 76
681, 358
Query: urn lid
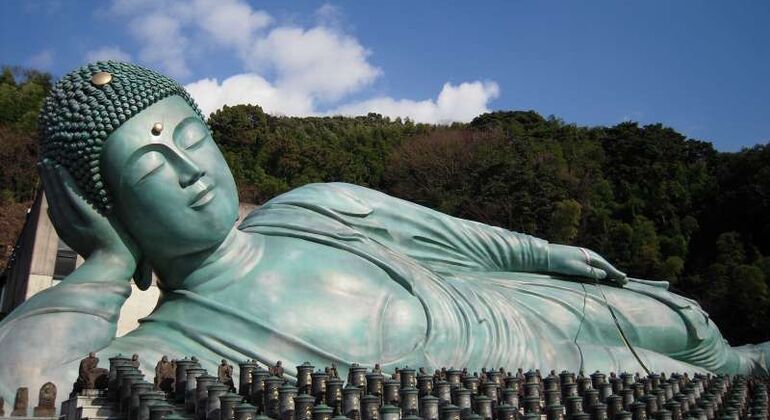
389, 409
322, 409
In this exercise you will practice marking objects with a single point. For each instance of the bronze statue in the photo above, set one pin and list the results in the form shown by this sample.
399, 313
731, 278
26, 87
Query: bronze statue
90, 375
277, 370
135, 361
225, 375
46, 406
165, 375
327, 272
20, 403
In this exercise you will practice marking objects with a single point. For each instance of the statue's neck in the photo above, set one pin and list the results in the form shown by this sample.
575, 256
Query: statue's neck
237, 253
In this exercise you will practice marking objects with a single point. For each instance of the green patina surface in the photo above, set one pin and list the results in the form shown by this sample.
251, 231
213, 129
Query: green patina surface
326, 273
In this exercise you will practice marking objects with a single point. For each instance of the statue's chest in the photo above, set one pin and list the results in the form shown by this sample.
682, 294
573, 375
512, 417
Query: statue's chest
323, 296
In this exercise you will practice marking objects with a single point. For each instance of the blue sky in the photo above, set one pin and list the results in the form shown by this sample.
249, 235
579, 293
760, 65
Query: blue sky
702, 67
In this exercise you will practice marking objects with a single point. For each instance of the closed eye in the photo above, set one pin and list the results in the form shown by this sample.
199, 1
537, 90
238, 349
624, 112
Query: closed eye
197, 144
150, 172
191, 133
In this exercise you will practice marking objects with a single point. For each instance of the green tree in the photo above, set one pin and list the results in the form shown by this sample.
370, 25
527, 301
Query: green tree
21, 94
565, 221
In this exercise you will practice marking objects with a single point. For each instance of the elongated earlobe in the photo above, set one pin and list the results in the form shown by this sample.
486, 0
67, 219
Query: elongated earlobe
143, 274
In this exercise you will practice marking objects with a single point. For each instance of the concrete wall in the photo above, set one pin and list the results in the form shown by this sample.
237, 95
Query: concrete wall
44, 253
139, 305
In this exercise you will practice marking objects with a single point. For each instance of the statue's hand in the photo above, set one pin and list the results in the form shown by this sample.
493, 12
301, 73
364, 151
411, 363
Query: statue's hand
581, 262
85, 230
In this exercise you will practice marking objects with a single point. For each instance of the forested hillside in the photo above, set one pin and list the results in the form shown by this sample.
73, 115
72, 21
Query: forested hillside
21, 94
657, 204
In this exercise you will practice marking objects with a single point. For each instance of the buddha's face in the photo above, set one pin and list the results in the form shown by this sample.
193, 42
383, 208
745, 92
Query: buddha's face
170, 184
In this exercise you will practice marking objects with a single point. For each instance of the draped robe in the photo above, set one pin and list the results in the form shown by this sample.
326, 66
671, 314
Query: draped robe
336, 273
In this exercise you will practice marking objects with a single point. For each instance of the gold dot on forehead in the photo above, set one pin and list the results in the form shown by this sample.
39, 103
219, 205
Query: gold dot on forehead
157, 128
101, 78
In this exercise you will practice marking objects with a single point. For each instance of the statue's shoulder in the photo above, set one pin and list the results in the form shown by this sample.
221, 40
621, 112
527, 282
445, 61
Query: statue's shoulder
339, 197
321, 207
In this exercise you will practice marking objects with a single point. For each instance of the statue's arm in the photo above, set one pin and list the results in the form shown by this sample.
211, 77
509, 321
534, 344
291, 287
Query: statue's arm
46, 335
442, 241
43, 339
497, 249
440, 238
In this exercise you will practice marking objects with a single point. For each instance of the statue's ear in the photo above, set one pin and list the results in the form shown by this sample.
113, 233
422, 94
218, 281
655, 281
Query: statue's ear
143, 274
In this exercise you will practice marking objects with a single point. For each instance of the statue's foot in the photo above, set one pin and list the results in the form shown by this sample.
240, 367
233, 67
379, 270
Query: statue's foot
764, 350
760, 355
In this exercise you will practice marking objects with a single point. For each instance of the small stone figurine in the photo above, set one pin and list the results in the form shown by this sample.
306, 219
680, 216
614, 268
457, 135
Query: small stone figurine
90, 375
21, 403
277, 370
46, 405
165, 375
225, 375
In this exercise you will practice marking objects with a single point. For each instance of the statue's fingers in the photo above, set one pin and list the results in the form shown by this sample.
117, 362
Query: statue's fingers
80, 207
599, 262
598, 273
612, 275
613, 272
44, 168
53, 192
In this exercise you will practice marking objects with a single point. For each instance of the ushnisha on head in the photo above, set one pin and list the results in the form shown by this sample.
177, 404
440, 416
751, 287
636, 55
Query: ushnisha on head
89, 104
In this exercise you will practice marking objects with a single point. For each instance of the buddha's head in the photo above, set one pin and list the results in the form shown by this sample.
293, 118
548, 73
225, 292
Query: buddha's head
139, 149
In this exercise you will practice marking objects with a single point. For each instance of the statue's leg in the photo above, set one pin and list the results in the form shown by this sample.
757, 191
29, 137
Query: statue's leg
651, 319
597, 313
553, 322
759, 353
622, 359
626, 316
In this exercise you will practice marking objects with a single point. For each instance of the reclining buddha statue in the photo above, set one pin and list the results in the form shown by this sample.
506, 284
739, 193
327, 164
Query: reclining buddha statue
329, 273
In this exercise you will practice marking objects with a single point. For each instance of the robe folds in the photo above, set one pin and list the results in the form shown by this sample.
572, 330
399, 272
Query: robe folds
484, 303
337, 273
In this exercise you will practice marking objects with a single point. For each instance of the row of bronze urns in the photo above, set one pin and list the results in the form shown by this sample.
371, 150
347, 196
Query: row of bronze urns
369, 395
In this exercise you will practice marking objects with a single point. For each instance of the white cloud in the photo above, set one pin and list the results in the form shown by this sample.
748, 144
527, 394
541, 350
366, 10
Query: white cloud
42, 60
231, 23
454, 103
108, 53
329, 16
248, 88
290, 70
162, 42
318, 61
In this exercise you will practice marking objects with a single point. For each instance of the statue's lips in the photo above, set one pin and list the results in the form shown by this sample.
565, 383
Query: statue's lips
203, 197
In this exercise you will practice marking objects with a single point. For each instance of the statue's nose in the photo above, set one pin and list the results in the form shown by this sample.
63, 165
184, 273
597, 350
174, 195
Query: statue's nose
189, 171
191, 177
